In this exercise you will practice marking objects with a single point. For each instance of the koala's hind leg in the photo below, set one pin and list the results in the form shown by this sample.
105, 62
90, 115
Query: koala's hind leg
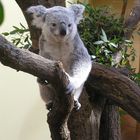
47, 93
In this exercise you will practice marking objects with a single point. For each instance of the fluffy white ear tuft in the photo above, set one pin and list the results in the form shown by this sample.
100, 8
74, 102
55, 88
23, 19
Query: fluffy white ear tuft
78, 10
38, 15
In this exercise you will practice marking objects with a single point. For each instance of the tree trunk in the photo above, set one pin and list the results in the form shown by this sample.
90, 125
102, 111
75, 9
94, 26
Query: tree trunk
110, 126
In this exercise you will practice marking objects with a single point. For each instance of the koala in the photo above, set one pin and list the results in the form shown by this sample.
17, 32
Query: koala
60, 41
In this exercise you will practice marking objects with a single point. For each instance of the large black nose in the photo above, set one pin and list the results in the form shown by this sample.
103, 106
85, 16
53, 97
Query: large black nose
62, 29
63, 32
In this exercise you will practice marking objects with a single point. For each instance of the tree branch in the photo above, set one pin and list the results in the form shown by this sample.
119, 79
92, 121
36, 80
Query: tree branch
53, 72
107, 81
116, 87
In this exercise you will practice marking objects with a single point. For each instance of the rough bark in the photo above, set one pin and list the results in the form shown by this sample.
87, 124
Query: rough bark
125, 2
110, 126
105, 81
117, 87
85, 123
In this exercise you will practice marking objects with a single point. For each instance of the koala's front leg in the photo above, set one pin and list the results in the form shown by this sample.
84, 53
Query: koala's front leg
47, 93
71, 88
76, 92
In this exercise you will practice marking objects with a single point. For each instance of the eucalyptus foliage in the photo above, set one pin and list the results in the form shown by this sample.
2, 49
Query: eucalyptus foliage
103, 35
19, 36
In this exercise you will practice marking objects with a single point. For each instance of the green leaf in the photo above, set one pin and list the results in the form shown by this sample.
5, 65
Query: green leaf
17, 41
13, 32
26, 39
104, 36
16, 28
113, 45
5, 33
100, 42
22, 26
1, 13
128, 41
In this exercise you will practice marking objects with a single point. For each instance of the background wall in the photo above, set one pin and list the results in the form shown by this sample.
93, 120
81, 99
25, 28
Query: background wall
22, 112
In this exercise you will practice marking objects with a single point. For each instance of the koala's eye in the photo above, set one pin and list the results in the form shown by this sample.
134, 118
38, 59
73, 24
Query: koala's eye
53, 24
69, 25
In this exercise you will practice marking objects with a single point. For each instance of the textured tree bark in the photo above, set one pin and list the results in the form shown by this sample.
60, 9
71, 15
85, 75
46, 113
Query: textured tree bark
108, 82
110, 126
84, 124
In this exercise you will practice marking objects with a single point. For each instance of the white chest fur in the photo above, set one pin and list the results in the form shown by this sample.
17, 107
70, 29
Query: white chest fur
60, 51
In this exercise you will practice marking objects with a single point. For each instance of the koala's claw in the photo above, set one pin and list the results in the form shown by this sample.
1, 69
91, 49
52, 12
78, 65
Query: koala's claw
41, 81
77, 105
49, 105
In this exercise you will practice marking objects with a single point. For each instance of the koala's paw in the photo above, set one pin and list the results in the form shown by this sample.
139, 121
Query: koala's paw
70, 88
77, 105
49, 105
42, 81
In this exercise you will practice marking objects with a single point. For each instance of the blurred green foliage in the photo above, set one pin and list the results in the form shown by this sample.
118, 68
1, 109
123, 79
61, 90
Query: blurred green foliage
1, 13
103, 35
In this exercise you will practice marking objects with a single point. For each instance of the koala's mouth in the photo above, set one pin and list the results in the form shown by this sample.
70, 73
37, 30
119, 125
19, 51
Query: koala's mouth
60, 38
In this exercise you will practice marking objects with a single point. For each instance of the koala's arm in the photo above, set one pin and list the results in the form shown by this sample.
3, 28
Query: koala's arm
80, 65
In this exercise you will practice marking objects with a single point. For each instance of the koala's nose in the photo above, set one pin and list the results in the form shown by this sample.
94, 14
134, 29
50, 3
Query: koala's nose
63, 29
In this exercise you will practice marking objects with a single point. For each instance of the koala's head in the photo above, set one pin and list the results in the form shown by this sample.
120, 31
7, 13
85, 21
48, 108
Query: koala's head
57, 22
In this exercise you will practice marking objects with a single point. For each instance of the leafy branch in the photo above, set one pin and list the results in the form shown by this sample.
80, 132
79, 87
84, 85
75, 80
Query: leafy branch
19, 36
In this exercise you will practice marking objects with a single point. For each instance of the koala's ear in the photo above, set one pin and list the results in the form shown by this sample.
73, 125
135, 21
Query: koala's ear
38, 15
78, 10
